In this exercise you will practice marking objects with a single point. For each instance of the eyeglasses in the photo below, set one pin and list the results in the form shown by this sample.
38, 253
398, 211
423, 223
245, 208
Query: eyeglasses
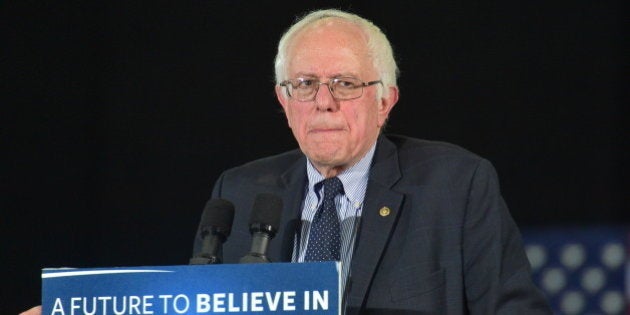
341, 88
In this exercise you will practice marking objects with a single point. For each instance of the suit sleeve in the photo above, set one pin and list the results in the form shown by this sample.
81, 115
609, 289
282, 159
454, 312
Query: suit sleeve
497, 274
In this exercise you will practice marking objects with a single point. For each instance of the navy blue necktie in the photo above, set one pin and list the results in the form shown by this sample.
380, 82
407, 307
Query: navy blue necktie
324, 238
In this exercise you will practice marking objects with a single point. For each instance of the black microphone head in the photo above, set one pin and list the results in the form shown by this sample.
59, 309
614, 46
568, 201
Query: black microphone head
266, 213
217, 218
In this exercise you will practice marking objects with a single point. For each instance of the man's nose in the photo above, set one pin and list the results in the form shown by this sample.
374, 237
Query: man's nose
324, 99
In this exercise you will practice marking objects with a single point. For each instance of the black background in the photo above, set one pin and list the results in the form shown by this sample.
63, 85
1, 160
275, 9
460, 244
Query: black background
119, 115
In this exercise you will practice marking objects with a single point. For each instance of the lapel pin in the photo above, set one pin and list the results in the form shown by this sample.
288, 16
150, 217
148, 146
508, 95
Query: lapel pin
385, 211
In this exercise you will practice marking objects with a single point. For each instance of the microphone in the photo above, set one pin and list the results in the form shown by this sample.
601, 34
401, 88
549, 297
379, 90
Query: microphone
263, 224
215, 227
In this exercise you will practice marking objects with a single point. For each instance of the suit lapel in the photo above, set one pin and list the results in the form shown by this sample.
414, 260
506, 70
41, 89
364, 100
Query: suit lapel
380, 211
291, 184
376, 225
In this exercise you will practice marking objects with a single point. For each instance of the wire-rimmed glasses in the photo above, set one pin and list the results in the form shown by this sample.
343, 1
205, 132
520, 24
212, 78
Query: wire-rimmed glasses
341, 88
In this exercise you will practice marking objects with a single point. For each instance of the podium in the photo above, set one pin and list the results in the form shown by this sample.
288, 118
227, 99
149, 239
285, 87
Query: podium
277, 288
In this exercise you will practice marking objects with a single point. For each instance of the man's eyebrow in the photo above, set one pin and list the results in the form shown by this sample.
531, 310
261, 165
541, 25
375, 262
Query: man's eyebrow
345, 74
335, 75
305, 75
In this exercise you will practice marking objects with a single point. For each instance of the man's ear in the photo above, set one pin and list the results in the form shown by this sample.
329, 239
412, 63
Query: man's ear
283, 99
386, 104
282, 96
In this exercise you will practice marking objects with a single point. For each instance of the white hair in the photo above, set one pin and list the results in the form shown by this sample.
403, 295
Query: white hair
379, 48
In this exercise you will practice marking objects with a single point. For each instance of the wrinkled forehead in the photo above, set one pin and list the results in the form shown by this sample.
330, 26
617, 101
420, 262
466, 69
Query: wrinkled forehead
330, 37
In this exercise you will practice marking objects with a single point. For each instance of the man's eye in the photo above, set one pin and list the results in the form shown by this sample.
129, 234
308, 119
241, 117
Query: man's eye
305, 83
346, 84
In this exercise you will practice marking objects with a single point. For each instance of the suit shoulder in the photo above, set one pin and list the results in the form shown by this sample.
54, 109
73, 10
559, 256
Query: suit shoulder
422, 150
436, 163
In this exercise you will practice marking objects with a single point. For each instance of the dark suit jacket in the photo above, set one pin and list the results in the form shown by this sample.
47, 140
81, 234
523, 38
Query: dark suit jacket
448, 245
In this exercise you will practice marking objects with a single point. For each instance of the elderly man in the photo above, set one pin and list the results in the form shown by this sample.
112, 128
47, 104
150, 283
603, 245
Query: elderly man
420, 226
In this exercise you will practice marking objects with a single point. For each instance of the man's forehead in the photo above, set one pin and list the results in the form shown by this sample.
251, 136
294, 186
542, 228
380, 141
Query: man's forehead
328, 61
328, 48
329, 38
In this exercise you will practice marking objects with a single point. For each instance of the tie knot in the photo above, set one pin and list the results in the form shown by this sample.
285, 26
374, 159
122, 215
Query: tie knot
332, 187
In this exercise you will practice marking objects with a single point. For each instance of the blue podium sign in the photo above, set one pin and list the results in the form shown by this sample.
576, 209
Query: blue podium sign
278, 288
